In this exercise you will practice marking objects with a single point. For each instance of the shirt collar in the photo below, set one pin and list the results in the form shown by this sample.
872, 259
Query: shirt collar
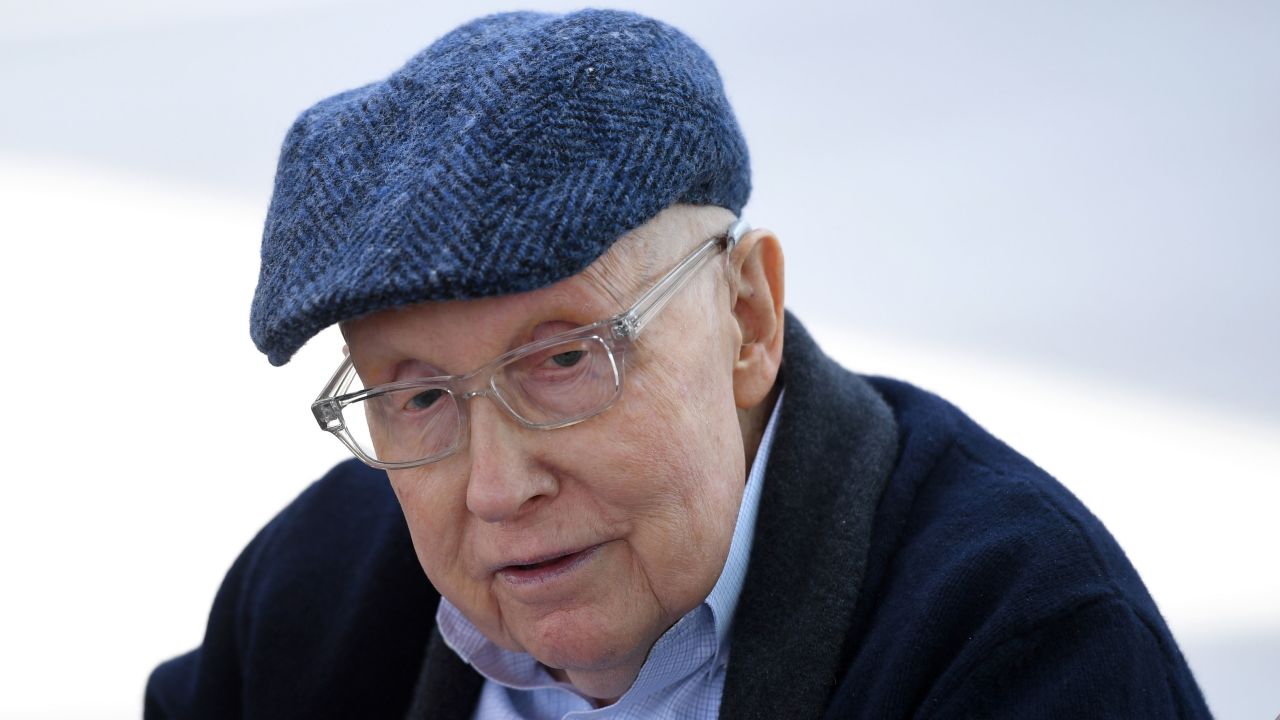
520, 670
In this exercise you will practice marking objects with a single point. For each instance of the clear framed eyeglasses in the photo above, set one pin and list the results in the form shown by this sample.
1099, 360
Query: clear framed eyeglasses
552, 383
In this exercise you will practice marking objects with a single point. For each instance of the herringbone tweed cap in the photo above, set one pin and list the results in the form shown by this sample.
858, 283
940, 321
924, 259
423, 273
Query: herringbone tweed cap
508, 155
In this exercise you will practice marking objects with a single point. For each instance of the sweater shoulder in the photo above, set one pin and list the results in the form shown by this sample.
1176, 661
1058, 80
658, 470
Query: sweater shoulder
974, 547
348, 509
347, 526
971, 508
326, 613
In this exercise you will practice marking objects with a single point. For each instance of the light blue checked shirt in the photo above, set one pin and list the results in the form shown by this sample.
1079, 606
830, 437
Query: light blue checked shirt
683, 677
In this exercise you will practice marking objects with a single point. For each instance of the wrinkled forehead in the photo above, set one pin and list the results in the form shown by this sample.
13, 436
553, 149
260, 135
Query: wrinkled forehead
637, 259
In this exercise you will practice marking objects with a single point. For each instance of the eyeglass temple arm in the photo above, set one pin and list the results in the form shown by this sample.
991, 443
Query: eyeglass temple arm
634, 320
325, 409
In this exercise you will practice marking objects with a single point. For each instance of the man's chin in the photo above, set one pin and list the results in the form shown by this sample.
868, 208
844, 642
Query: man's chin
598, 664
604, 682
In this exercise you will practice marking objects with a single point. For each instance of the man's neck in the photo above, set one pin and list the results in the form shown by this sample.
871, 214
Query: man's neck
753, 422
606, 682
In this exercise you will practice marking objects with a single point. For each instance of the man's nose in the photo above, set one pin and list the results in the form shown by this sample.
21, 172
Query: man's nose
507, 478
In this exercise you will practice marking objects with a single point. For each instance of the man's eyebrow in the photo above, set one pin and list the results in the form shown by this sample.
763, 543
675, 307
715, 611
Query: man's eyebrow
624, 275
609, 277
414, 368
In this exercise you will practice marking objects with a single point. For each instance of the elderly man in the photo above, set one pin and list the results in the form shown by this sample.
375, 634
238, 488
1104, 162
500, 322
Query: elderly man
600, 471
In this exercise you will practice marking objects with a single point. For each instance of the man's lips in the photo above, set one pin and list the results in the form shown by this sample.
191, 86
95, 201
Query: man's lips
547, 566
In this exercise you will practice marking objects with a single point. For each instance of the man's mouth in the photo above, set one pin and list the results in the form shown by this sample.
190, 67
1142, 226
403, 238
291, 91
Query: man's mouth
547, 569
544, 563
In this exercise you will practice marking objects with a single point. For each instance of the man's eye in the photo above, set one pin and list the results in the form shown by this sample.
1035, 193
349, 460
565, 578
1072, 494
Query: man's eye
425, 399
568, 359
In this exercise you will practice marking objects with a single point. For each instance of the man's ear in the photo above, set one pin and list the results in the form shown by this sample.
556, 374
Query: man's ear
757, 305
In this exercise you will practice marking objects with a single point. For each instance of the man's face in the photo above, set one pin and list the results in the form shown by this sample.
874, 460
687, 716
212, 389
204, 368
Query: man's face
580, 545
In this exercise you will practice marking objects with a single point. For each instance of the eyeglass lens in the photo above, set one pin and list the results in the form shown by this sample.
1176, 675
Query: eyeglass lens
550, 387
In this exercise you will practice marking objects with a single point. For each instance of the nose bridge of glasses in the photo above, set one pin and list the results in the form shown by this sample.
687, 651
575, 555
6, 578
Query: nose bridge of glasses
502, 412
488, 388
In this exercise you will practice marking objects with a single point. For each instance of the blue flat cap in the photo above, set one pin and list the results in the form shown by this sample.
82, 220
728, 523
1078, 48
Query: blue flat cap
508, 155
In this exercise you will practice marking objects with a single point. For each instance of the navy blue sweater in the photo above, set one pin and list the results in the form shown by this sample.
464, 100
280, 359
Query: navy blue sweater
953, 578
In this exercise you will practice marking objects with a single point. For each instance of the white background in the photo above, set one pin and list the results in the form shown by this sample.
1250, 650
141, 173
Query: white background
1064, 217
